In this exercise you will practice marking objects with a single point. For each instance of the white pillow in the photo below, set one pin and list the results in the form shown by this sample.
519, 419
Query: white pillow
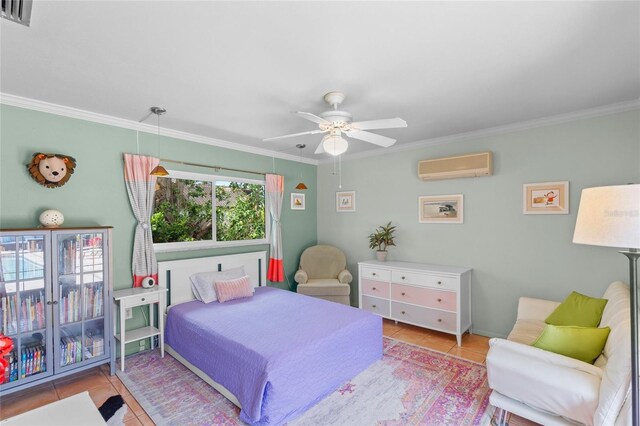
202, 283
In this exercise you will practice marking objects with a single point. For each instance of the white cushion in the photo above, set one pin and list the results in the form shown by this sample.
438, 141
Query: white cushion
202, 283
544, 380
535, 309
526, 331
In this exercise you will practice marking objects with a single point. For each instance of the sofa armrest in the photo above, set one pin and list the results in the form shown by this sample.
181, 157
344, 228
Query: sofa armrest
345, 277
535, 309
544, 380
301, 277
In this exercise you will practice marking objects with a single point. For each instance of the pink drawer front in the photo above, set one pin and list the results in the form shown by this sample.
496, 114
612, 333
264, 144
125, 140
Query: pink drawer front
375, 288
424, 296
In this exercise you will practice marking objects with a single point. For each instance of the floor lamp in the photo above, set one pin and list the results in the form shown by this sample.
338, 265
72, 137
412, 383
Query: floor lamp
610, 216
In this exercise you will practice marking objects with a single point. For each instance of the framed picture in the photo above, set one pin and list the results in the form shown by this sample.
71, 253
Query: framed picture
297, 201
346, 201
441, 209
545, 198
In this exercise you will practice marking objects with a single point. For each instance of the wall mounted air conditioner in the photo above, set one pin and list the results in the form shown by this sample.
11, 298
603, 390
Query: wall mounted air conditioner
471, 165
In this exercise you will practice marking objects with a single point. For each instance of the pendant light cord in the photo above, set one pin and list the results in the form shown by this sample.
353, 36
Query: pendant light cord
339, 172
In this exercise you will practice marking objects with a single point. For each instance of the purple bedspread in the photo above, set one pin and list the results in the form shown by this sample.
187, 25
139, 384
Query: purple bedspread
278, 352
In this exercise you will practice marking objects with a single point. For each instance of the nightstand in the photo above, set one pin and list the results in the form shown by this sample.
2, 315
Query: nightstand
138, 296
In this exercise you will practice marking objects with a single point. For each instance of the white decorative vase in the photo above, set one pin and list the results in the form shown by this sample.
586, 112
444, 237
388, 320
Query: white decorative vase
51, 218
381, 255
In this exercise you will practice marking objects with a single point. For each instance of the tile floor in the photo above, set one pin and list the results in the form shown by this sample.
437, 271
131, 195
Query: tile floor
101, 385
97, 381
473, 347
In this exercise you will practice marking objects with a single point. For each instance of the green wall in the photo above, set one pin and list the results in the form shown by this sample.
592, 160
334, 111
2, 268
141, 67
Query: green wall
511, 254
96, 193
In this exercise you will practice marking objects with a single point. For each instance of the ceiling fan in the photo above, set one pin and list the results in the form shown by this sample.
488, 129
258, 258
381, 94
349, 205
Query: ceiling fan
336, 123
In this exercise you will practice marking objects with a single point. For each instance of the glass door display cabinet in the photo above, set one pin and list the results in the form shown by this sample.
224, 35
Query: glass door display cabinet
26, 306
55, 292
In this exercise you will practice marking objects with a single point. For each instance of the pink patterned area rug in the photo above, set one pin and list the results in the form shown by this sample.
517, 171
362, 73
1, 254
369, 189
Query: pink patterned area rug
409, 386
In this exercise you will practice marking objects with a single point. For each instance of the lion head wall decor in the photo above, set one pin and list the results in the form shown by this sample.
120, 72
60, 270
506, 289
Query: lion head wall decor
51, 170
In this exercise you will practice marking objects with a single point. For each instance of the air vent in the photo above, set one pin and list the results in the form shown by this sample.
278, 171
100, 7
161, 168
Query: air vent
17, 11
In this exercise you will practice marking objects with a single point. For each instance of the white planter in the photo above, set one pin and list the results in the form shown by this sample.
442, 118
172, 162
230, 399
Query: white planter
381, 255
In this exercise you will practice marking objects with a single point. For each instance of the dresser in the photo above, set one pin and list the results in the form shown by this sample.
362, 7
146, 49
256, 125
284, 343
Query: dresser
431, 296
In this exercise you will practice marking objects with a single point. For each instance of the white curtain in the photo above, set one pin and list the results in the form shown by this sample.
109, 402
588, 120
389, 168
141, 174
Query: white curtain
141, 189
275, 192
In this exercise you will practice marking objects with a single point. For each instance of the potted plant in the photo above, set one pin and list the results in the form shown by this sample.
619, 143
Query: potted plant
381, 239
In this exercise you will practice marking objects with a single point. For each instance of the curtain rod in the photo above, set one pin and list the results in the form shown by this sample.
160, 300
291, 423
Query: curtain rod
185, 163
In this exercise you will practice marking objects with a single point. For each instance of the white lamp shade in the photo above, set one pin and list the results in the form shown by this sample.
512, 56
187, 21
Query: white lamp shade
334, 144
609, 216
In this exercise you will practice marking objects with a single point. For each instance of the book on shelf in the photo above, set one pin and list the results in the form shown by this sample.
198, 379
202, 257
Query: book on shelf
28, 312
94, 346
69, 253
92, 306
70, 350
32, 361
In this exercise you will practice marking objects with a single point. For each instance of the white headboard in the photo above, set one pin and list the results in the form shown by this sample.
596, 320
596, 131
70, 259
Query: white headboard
175, 274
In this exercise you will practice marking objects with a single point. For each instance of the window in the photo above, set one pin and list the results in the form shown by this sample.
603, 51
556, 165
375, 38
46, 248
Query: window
199, 211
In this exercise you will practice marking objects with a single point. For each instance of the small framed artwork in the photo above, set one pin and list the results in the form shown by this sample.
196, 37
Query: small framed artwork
297, 201
346, 201
545, 198
441, 209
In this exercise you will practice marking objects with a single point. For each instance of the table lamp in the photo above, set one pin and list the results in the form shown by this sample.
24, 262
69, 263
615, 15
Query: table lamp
610, 216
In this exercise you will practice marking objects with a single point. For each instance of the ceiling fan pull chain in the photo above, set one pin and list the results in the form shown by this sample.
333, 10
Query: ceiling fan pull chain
339, 171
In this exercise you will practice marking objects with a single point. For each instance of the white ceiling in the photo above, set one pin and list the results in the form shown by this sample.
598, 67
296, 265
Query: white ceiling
237, 70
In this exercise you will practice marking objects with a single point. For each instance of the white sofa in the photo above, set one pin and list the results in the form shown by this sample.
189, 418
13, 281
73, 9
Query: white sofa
553, 389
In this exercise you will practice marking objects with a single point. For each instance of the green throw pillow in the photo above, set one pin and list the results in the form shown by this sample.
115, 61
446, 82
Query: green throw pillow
583, 343
578, 309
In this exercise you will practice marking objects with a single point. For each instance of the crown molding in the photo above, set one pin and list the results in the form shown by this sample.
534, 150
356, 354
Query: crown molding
65, 111
36, 105
499, 130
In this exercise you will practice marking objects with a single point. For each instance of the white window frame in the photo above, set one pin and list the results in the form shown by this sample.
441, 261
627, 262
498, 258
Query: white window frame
207, 244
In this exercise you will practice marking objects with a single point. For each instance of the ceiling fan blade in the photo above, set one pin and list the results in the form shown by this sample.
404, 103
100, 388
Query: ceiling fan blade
319, 149
371, 138
312, 117
310, 132
385, 123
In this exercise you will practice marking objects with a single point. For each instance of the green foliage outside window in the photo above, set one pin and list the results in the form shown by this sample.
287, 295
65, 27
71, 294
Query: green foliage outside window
183, 211
239, 212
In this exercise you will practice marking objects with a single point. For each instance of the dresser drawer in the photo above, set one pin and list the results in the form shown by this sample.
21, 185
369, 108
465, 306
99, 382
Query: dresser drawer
142, 299
375, 305
376, 274
428, 280
426, 317
424, 296
375, 288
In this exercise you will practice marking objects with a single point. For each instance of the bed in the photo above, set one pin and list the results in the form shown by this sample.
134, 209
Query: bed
275, 354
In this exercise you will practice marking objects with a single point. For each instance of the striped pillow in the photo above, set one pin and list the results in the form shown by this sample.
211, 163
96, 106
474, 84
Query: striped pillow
233, 289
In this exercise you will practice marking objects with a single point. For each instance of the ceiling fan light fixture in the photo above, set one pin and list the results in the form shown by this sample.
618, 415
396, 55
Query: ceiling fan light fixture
334, 144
